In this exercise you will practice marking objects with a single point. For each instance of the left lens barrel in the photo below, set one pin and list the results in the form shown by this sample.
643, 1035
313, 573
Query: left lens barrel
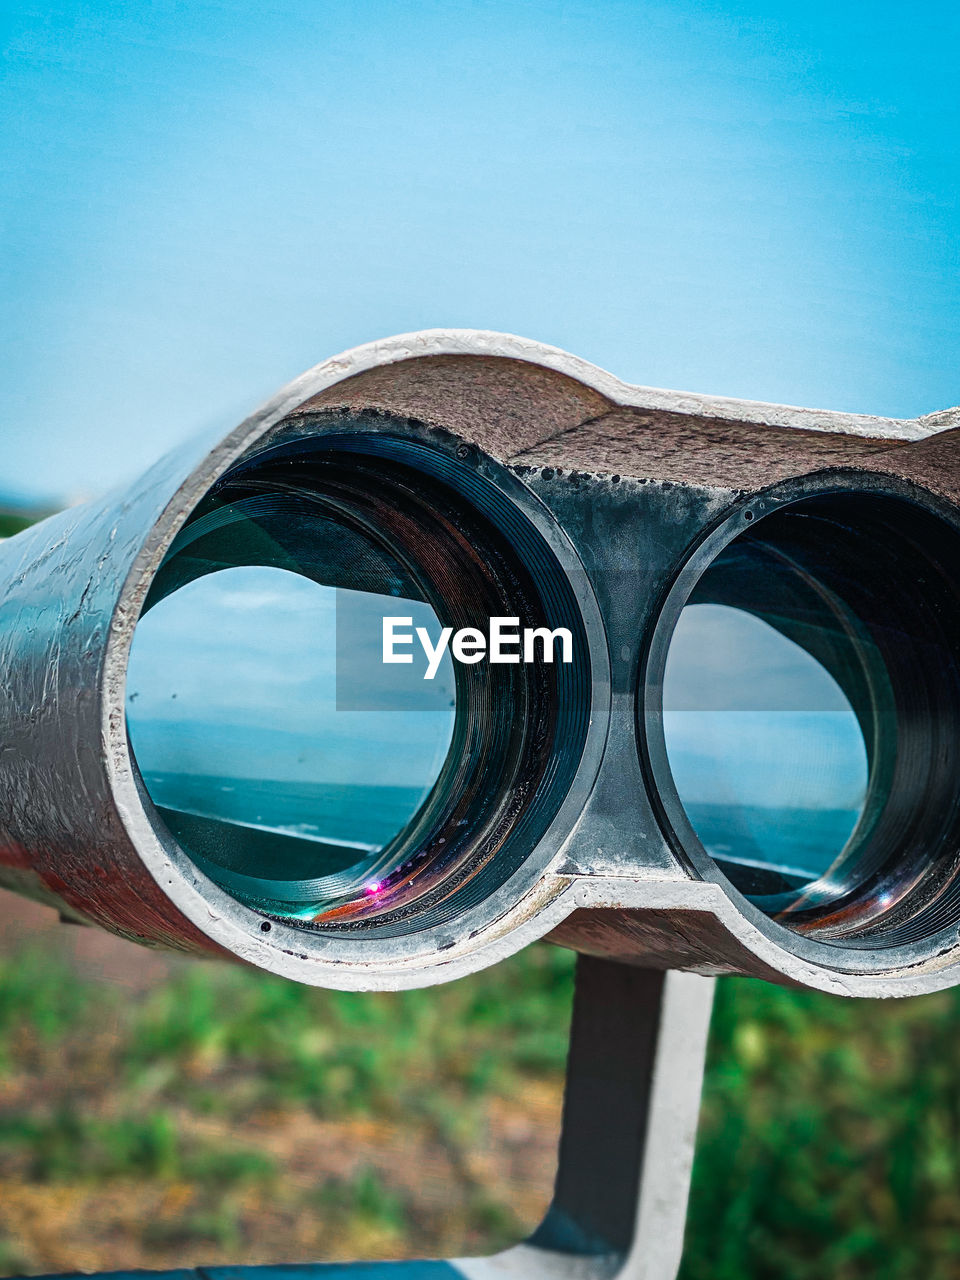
297, 718
265, 710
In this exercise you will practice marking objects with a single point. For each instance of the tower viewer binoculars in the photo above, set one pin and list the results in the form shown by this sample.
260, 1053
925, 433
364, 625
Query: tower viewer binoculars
460, 643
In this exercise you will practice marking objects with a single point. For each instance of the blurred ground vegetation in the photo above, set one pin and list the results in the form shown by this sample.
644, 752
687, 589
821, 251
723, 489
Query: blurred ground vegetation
11, 524
158, 1113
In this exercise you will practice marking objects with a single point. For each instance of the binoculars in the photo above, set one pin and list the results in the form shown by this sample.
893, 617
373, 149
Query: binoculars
460, 643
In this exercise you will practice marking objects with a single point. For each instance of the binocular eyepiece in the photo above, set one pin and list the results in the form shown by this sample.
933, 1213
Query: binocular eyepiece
460, 642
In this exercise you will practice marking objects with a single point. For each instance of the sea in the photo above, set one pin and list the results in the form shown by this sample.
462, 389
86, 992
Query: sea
357, 817
796, 844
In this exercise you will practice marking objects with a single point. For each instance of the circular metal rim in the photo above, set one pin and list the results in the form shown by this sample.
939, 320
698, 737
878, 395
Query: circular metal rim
746, 514
310, 956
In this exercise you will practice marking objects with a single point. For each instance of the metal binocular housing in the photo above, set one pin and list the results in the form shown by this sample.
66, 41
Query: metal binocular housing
748, 761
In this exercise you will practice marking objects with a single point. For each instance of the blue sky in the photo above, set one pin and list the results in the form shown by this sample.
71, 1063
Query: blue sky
204, 687
751, 718
200, 200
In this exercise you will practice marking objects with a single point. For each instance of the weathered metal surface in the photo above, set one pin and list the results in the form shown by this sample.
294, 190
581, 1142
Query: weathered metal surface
611, 475
713, 453
500, 404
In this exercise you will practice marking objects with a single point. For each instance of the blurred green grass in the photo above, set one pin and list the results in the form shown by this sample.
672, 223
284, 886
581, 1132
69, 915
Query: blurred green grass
226, 1040
830, 1138
11, 524
829, 1144
207, 1080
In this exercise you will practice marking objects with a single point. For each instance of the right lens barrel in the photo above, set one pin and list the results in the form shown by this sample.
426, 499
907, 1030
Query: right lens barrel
811, 718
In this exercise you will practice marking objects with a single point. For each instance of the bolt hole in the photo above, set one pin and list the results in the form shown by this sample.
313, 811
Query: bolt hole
266, 926
748, 515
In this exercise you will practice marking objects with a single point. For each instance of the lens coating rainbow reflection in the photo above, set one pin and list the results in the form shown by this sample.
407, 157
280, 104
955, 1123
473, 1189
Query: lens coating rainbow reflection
283, 754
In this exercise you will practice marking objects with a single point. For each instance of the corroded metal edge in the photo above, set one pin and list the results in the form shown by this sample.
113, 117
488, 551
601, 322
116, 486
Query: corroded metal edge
479, 342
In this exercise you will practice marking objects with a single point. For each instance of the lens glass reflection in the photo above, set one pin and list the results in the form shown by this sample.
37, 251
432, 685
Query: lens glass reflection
285, 757
779, 722
767, 753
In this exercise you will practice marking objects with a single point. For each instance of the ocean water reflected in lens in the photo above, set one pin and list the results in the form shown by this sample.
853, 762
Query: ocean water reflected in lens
283, 755
767, 754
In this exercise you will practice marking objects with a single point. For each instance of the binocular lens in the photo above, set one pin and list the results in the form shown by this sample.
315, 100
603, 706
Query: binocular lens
767, 753
295, 714
279, 748
811, 708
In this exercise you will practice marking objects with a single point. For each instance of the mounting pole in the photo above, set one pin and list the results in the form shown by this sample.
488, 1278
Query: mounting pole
638, 1045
